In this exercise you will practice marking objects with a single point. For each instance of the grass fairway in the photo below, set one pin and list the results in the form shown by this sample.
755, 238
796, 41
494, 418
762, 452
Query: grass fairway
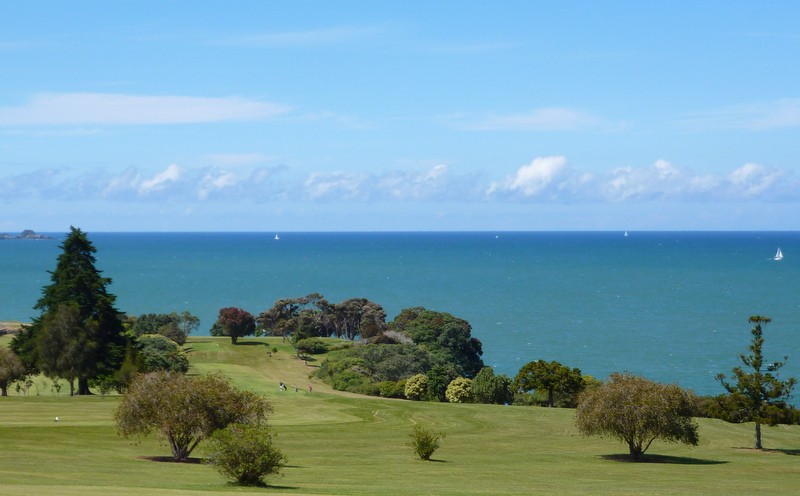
346, 444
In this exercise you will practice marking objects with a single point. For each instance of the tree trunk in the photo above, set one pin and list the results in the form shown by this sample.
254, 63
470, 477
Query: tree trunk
758, 435
550, 398
4, 391
83, 386
233, 339
635, 451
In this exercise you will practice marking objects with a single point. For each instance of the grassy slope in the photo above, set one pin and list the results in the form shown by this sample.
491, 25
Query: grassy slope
345, 444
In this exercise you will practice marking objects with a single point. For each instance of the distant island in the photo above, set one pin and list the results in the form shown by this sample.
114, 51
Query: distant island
26, 234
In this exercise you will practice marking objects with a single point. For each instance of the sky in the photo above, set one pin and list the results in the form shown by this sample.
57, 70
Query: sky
399, 115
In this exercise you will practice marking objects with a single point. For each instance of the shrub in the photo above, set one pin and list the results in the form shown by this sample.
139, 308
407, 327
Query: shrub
416, 386
158, 352
459, 390
392, 389
311, 346
369, 389
349, 380
424, 442
245, 454
490, 388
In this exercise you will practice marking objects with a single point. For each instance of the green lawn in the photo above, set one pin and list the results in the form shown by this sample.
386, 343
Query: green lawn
346, 444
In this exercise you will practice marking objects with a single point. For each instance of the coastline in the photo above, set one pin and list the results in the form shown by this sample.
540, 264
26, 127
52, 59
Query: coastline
10, 327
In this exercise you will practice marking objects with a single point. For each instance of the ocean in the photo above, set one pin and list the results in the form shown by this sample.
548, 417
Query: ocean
672, 306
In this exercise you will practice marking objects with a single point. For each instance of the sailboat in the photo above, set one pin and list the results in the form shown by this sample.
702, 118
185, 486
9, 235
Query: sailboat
277, 237
778, 255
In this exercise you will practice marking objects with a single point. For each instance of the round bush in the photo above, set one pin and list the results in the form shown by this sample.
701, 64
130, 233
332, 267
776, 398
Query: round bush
416, 386
244, 454
459, 390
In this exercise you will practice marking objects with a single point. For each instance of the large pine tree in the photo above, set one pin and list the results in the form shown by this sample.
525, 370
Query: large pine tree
758, 389
79, 332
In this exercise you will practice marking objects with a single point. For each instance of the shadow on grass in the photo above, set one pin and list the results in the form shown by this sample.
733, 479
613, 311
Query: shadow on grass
274, 486
169, 459
791, 452
250, 343
677, 460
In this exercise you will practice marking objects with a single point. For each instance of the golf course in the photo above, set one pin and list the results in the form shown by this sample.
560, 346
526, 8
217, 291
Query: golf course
345, 444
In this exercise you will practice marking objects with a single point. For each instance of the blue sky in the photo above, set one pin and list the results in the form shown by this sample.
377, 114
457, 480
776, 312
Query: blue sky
351, 116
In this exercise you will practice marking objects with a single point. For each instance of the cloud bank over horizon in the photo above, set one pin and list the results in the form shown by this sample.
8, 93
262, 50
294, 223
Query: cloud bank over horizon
544, 180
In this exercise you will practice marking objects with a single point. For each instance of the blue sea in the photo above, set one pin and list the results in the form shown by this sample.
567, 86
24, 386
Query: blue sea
672, 306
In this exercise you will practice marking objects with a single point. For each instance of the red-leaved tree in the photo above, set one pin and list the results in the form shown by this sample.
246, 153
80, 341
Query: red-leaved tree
234, 322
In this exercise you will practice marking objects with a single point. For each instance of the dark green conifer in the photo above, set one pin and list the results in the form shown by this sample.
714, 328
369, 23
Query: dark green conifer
78, 313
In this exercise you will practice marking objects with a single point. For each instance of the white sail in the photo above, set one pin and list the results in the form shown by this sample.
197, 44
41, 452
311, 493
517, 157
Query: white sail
778, 255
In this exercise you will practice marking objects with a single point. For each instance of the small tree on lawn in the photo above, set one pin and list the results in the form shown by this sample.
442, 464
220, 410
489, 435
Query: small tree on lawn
245, 454
637, 411
762, 397
11, 369
234, 322
185, 410
424, 442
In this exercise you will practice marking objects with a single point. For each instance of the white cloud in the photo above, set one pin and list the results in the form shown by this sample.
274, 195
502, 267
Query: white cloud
216, 181
763, 116
542, 119
532, 179
160, 181
409, 185
335, 186
120, 109
752, 180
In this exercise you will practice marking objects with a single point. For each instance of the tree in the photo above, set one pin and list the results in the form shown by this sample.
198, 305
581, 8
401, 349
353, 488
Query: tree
11, 369
761, 395
97, 329
444, 335
174, 326
234, 322
439, 376
157, 352
551, 378
490, 388
281, 319
355, 317
245, 454
184, 410
424, 442
62, 346
637, 411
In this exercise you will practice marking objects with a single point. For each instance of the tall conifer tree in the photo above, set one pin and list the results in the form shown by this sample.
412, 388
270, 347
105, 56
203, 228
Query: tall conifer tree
763, 395
78, 312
